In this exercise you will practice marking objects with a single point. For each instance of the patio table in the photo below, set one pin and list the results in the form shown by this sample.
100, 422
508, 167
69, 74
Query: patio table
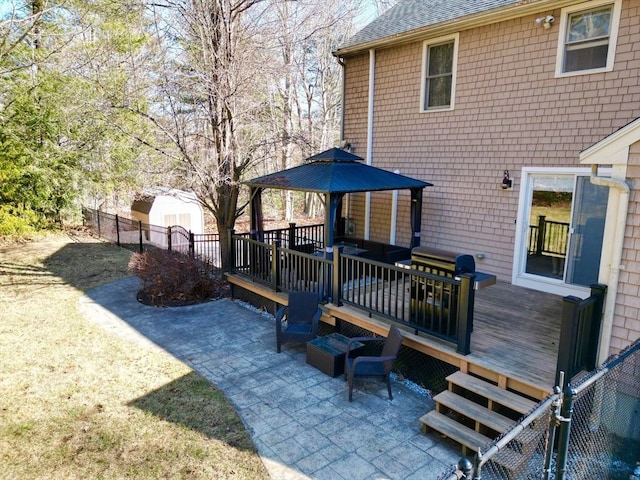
327, 353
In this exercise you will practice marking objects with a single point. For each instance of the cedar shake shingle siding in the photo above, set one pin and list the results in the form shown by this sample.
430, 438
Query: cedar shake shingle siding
626, 326
510, 112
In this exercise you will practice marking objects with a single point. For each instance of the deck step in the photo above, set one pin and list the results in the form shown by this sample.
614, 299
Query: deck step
447, 426
496, 394
474, 411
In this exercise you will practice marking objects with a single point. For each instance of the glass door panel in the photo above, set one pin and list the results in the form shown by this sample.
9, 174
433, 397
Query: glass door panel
549, 222
590, 209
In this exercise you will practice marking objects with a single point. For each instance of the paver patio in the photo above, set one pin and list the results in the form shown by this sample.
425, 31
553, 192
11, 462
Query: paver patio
300, 419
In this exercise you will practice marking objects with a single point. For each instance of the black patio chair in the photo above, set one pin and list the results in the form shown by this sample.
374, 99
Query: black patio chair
370, 366
298, 321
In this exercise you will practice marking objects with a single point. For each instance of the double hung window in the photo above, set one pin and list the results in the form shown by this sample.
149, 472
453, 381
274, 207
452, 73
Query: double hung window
588, 38
439, 72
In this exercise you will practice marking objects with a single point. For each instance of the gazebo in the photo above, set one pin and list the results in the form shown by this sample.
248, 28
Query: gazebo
334, 173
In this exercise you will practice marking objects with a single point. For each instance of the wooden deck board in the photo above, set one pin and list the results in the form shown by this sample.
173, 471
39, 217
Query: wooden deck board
516, 330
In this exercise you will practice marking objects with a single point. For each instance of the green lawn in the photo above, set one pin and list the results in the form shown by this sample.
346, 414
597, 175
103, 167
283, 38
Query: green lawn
77, 402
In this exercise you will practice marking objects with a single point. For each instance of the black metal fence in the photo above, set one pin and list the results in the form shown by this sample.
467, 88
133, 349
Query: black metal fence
591, 431
304, 237
137, 236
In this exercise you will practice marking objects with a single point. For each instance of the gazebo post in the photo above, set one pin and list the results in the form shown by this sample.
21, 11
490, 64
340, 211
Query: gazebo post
416, 216
257, 226
339, 226
332, 203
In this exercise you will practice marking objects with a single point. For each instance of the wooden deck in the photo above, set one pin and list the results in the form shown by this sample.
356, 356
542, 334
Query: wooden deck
516, 331
514, 342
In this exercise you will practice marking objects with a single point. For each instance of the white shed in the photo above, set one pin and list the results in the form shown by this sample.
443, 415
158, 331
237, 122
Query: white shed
169, 207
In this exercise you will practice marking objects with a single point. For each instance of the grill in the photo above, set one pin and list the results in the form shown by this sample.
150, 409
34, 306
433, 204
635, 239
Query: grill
442, 262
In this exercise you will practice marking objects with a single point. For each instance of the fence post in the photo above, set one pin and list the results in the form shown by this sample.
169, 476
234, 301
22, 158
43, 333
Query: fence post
99, 232
566, 345
466, 467
140, 231
565, 432
232, 251
542, 233
292, 235
192, 245
169, 238
553, 424
117, 230
466, 298
477, 466
275, 271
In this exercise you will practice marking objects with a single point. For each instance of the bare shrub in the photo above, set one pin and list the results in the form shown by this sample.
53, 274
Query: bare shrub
171, 279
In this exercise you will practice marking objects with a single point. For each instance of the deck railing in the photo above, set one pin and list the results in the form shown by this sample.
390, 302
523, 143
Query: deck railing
548, 237
293, 235
430, 304
579, 332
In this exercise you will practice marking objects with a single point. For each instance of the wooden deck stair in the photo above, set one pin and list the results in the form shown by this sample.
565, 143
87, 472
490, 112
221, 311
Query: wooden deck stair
473, 411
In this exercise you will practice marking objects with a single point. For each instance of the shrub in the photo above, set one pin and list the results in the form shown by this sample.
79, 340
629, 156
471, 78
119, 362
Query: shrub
17, 221
171, 278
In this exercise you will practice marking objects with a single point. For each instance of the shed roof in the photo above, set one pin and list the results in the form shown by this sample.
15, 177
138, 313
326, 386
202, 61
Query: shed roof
336, 171
411, 17
144, 201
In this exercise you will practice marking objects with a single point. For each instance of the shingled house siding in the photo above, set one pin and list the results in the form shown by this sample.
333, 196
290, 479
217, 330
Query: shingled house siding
510, 112
626, 327
355, 112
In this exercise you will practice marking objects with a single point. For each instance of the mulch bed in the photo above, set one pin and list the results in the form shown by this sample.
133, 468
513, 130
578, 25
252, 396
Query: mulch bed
221, 289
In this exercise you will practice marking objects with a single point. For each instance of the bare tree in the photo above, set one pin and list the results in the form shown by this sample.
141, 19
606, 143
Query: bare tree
304, 97
204, 100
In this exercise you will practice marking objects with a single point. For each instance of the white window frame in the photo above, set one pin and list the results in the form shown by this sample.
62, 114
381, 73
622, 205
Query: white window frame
613, 35
454, 68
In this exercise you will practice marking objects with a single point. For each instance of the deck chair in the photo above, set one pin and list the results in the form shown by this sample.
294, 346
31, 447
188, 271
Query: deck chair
370, 366
298, 321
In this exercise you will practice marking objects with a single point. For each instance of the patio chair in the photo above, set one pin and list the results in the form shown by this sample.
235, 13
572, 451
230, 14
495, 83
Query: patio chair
373, 366
298, 321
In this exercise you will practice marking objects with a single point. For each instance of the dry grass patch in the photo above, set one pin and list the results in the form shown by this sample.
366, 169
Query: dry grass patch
79, 403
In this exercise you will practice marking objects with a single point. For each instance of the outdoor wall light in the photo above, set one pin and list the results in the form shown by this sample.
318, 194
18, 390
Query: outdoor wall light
506, 181
546, 21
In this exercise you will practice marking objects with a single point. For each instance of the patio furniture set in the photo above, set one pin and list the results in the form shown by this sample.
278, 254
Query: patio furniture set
334, 354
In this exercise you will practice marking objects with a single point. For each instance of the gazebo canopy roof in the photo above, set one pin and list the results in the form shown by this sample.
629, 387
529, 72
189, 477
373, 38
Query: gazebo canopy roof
336, 171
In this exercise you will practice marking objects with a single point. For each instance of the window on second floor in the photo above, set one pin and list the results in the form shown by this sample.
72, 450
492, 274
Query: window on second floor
439, 73
588, 37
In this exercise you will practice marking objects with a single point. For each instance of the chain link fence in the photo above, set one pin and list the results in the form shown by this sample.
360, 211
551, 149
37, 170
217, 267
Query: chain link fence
604, 428
589, 432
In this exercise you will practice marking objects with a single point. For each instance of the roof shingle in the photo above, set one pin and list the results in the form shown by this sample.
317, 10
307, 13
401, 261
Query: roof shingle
410, 15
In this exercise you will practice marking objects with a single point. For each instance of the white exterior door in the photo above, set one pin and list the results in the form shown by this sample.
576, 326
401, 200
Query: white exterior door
560, 229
